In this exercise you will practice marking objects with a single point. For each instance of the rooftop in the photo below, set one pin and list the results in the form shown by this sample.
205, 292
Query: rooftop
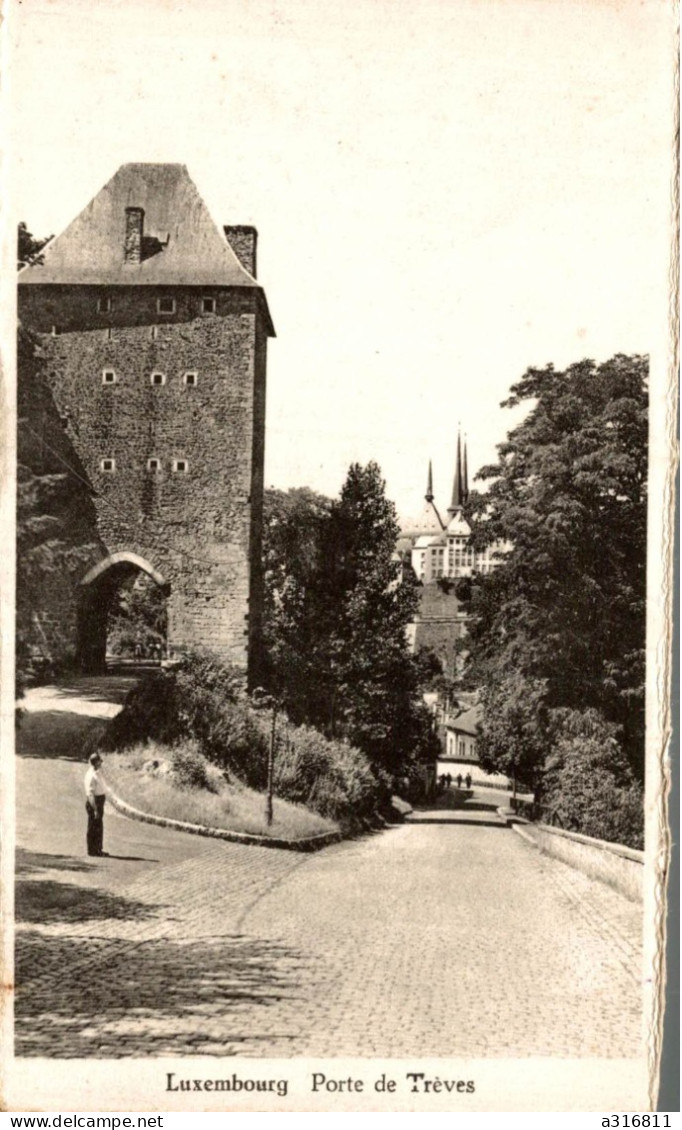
181, 244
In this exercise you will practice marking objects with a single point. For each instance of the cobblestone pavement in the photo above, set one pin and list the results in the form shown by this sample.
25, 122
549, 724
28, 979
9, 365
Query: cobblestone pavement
430, 938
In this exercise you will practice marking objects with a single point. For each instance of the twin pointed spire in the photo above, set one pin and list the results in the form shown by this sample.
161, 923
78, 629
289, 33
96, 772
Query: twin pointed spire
460, 486
429, 485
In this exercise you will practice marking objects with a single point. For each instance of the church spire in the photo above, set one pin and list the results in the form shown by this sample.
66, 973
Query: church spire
465, 475
429, 485
457, 497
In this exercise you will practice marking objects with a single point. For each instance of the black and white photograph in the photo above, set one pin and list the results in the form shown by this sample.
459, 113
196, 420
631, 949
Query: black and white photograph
338, 351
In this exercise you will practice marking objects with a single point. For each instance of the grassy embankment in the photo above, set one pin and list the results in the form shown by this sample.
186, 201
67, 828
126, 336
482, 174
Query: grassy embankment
210, 745
216, 803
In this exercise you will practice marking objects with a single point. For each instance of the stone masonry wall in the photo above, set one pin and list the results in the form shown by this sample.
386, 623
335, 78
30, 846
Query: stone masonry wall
200, 528
439, 623
57, 539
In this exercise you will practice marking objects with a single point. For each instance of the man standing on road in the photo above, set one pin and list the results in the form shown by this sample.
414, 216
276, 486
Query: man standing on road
94, 804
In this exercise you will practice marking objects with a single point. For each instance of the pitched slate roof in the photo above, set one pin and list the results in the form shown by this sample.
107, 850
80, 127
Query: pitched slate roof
184, 245
423, 541
428, 522
458, 526
466, 722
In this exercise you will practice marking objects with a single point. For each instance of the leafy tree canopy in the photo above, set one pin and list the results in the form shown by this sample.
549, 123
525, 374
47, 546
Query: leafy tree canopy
28, 247
561, 624
336, 618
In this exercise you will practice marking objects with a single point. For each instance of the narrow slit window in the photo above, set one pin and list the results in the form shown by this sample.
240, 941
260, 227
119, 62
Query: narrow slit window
107, 465
208, 305
165, 305
158, 378
191, 378
108, 377
153, 464
181, 465
104, 306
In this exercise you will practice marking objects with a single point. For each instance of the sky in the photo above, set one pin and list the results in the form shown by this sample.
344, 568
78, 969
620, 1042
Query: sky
445, 192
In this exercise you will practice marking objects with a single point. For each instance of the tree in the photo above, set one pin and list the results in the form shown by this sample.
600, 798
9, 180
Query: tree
565, 612
377, 678
294, 541
28, 247
336, 619
137, 616
514, 738
588, 785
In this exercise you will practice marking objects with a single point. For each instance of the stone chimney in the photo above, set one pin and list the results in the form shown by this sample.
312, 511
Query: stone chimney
243, 241
132, 248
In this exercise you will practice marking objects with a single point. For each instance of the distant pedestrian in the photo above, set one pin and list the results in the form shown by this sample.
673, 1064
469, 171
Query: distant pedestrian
467, 780
95, 792
459, 780
448, 780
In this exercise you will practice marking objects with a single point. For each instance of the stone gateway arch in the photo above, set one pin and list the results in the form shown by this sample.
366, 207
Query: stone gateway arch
153, 331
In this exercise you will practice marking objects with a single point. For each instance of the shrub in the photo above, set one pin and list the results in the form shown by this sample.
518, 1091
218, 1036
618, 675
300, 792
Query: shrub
588, 783
328, 776
201, 706
149, 713
184, 702
189, 767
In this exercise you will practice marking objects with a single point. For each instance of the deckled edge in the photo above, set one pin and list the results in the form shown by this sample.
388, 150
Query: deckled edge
663, 847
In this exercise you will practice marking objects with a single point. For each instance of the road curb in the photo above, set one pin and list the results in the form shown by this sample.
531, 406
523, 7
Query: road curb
510, 818
308, 843
520, 831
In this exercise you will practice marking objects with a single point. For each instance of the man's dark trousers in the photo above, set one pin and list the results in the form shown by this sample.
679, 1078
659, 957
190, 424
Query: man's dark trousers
95, 825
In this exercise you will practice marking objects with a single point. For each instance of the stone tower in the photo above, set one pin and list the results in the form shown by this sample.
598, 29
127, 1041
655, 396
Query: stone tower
154, 333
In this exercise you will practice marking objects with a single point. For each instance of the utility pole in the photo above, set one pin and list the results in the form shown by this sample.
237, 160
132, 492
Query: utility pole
261, 698
271, 763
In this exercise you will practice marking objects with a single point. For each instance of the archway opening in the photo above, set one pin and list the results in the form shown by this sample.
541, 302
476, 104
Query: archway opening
123, 615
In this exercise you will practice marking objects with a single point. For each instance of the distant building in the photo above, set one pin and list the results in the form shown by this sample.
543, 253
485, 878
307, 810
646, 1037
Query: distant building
443, 548
440, 552
460, 734
458, 725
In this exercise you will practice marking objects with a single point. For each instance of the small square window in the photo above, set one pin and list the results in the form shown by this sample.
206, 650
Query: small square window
208, 305
104, 306
181, 465
153, 464
108, 377
158, 378
191, 378
165, 305
107, 465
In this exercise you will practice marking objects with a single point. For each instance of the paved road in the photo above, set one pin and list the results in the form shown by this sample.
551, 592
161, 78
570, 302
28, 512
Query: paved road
432, 938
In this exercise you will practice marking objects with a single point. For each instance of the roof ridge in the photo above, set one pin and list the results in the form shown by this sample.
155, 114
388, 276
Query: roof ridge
191, 248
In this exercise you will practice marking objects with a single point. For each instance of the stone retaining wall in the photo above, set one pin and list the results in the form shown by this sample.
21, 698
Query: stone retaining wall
620, 867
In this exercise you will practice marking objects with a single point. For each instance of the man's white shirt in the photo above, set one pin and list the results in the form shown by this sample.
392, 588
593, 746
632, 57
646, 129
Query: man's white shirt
94, 783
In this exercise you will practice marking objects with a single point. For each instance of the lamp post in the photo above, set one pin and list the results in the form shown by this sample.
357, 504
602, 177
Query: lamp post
262, 699
271, 763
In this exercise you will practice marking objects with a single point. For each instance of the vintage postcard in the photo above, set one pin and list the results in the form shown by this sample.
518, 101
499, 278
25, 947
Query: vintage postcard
339, 387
